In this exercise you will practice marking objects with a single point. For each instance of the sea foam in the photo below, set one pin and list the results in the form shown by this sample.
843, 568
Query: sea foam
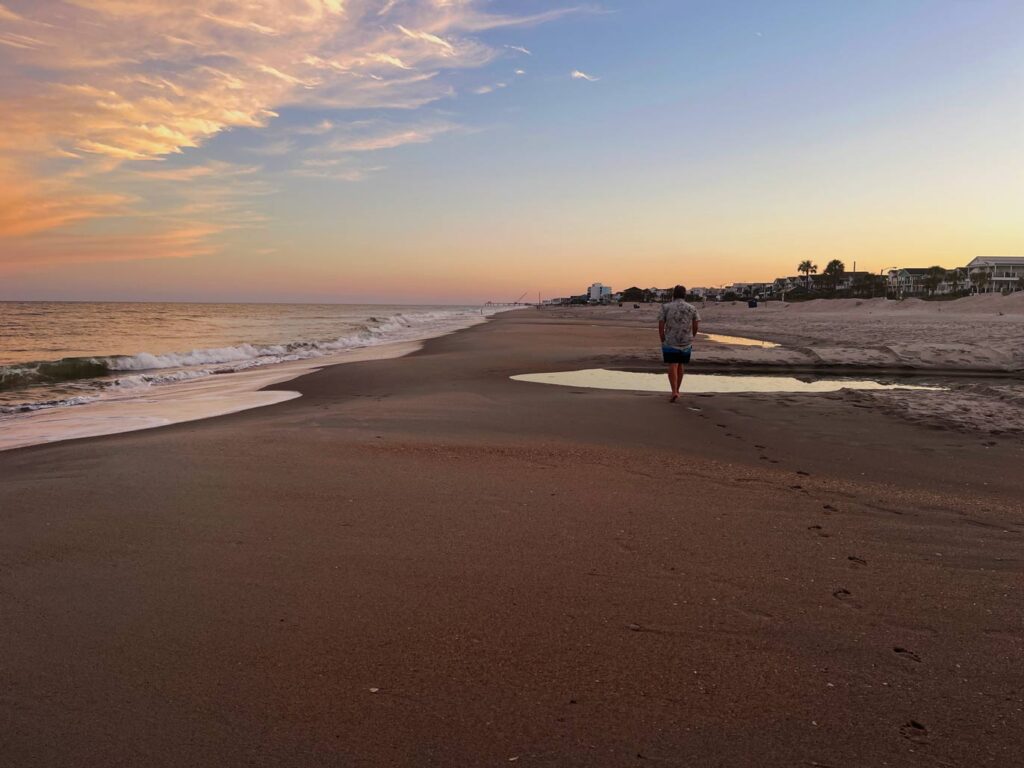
87, 379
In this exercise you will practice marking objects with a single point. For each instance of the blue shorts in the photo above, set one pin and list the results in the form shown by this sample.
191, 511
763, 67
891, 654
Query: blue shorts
674, 355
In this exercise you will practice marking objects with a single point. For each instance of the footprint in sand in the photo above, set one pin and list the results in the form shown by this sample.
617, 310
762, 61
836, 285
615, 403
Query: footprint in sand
904, 653
856, 560
829, 507
914, 731
846, 597
801, 472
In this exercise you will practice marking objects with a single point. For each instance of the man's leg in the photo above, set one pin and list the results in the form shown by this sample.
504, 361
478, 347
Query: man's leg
675, 377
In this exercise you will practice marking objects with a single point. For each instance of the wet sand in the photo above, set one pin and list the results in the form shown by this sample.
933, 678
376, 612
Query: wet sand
422, 562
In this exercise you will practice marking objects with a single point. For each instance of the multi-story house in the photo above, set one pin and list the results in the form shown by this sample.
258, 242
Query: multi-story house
1004, 272
916, 281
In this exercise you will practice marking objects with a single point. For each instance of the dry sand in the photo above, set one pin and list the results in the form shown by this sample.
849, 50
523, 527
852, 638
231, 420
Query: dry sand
423, 563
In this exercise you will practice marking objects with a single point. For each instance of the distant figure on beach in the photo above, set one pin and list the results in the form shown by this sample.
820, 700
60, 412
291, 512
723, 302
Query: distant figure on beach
677, 325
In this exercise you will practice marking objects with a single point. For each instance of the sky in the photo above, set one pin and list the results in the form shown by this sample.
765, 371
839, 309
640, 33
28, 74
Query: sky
460, 151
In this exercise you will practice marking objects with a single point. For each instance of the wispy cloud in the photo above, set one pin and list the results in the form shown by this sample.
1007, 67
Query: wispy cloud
336, 169
218, 169
372, 136
463, 14
578, 75
29, 205
158, 240
91, 85
483, 90
157, 213
520, 49
8, 14
447, 48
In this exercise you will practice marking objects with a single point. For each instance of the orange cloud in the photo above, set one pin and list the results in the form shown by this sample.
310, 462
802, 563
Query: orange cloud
29, 205
139, 79
167, 241
128, 81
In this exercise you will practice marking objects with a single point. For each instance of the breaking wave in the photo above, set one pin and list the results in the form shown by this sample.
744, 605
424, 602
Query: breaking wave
88, 377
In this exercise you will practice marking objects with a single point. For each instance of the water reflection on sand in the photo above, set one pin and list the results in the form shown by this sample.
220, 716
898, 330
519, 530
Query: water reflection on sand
700, 383
737, 341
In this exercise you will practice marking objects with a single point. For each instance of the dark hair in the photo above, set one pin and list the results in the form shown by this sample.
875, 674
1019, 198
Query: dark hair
679, 292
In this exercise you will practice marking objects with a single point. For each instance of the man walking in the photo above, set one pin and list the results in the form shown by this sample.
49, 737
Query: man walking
677, 326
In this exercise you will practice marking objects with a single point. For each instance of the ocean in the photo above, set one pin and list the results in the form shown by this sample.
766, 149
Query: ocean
67, 356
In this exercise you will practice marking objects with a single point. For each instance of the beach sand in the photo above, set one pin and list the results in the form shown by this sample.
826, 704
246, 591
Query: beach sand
421, 562
974, 347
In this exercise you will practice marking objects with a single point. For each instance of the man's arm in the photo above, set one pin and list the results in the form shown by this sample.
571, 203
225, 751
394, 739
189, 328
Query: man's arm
696, 325
661, 330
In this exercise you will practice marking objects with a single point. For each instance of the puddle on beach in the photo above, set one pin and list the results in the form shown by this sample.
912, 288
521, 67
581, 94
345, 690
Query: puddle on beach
702, 383
737, 341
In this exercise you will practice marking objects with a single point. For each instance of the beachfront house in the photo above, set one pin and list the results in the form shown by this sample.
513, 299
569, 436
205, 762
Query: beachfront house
659, 294
782, 286
740, 289
599, 293
850, 280
752, 290
906, 281
916, 281
1005, 273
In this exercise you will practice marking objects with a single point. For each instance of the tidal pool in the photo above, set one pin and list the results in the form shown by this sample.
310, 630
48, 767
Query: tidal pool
737, 341
704, 383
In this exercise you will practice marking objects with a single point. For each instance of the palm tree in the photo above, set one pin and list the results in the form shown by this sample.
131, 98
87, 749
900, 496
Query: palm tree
880, 283
955, 281
834, 271
981, 278
808, 268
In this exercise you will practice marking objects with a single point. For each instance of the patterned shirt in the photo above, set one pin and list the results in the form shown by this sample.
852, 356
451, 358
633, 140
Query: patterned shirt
678, 317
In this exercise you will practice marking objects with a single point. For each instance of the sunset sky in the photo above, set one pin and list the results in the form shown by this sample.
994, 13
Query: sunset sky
429, 151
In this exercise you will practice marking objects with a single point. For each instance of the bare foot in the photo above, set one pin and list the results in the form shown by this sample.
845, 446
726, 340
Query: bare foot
675, 396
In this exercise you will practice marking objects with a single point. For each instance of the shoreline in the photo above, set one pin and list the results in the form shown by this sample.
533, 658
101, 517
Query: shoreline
423, 562
180, 402
214, 394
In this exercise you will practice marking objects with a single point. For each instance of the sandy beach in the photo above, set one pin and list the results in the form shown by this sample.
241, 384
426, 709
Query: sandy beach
973, 347
420, 562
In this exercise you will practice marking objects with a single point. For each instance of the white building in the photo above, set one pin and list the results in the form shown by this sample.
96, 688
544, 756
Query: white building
1004, 272
599, 293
